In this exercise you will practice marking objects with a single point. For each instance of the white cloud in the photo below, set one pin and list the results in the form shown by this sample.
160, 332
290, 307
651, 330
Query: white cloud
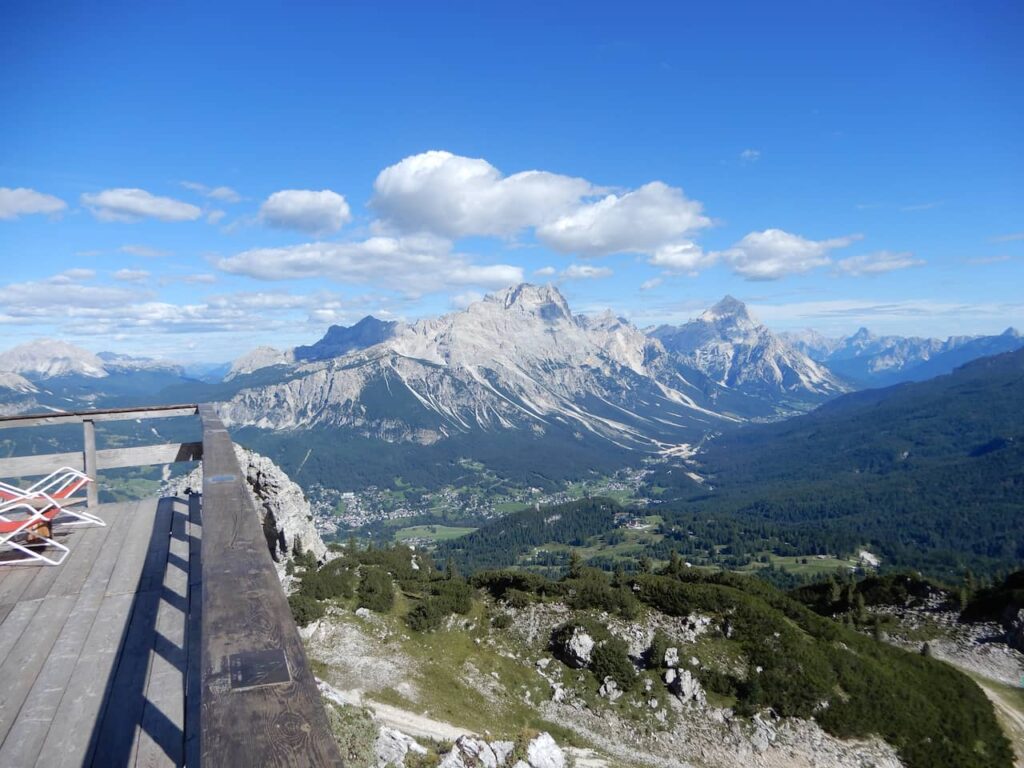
544, 272
306, 210
131, 275
444, 194
224, 194
585, 272
1013, 236
750, 155
413, 265
135, 204
22, 201
651, 284
463, 300
214, 217
773, 253
877, 263
682, 258
458, 196
640, 221
144, 251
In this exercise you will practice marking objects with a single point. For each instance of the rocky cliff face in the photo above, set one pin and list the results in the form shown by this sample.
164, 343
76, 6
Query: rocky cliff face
283, 510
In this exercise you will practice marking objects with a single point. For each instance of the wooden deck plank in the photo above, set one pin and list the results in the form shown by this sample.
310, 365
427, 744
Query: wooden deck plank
119, 524
85, 543
14, 580
116, 731
25, 660
125, 576
161, 740
14, 625
194, 678
26, 737
72, 744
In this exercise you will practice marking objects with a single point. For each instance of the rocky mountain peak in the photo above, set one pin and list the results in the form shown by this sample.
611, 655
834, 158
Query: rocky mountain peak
544, 301
50, 358
727, 309
340, 340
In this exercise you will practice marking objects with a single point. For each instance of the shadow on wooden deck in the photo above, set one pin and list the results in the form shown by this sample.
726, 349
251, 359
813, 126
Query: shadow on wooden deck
149, 714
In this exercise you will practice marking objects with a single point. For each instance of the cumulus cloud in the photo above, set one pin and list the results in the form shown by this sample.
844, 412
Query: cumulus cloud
682, 258
585, 272
414, 265
544, 272
224, 194
131, 275
453, 196
458, 196
126, 204
306, 210
773, 253
750, 155
214, 217
640, 221
21, 201
145, 251
876, 263
78, 306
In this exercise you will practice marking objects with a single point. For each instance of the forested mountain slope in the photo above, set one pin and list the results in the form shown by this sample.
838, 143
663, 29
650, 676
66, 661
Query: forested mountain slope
930, 473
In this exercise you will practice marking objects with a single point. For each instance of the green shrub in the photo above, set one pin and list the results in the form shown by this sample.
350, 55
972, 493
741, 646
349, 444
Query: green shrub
305, 609
501, 621
611, 659
455, 596
655, 656
425, 616
376, 591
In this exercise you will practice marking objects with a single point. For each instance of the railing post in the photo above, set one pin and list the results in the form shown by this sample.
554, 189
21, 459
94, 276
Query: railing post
89, 434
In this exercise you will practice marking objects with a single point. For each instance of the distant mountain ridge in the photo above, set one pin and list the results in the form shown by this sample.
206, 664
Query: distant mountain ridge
520, 359
726, 344
870, 360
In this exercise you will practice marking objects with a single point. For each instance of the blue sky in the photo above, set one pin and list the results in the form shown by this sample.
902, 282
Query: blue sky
193, 182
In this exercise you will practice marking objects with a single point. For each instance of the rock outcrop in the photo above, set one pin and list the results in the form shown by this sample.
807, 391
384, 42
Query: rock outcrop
284, 513
392, 747
473, 752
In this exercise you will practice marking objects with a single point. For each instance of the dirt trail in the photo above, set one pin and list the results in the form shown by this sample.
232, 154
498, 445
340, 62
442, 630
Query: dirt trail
423, 727
1010, 716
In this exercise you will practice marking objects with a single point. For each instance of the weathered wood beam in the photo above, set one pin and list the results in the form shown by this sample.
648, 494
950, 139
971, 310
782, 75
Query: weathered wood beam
260, 704
92, 490
107, 414
108, 458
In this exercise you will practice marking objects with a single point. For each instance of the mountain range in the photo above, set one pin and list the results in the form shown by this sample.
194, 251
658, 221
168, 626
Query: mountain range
518, 361
867, 360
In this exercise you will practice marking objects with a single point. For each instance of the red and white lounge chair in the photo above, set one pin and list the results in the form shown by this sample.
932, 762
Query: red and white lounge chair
26, 528
57, 488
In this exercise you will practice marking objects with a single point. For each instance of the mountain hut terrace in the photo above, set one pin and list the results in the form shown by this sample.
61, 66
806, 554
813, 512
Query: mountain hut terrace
164, 637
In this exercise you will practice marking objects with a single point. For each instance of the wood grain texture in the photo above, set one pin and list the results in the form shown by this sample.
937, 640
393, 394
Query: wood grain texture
107, 458
245, 609
104, 414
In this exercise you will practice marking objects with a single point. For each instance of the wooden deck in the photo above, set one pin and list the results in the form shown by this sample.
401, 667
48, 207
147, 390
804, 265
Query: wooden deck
99, 656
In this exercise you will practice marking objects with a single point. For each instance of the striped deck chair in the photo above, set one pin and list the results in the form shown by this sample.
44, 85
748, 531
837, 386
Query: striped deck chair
56, 489
28, 529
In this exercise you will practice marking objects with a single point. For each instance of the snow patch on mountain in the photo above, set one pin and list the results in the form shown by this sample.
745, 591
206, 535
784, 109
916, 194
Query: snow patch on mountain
51, 358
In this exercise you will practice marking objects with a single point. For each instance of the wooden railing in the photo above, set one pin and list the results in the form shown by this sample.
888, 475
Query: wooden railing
258, 700
89, 460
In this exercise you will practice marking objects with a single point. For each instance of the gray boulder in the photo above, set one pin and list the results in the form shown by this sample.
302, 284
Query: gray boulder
393, 746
